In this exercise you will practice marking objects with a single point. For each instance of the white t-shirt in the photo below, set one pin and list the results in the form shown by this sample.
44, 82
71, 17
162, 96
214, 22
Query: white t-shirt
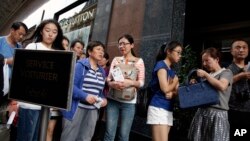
37, 46
34, 46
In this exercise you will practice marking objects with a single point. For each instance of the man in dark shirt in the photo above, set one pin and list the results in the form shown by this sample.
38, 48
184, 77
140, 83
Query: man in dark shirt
239, 113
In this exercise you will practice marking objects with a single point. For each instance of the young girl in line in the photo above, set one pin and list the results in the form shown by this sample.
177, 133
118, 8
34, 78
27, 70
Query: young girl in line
164, 87
47, 36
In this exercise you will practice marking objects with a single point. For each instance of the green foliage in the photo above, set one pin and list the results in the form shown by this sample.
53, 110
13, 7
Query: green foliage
183, 117
188, 62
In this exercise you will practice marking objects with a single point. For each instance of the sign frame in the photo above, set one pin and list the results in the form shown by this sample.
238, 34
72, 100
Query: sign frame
43, 77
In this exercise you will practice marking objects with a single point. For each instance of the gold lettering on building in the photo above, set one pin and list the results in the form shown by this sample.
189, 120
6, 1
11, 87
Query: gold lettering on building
79, 19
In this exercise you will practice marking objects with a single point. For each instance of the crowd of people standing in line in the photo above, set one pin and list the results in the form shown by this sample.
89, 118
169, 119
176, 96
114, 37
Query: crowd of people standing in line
109, 93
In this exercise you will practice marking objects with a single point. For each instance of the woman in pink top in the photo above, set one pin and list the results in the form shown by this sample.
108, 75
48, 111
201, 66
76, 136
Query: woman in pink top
122, 97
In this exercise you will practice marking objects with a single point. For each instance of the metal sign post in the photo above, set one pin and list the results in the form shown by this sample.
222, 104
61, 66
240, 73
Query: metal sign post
44, 123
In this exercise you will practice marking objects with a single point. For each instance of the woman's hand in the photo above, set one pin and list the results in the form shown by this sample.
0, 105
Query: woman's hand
245, 75
192, 81
120, 85
104, 102
169, 95
91, 99
176, 80
127, 83
201, 73
115, 84
172, 94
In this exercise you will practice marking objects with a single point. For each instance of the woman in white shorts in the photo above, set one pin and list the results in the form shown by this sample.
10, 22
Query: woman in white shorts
164, 86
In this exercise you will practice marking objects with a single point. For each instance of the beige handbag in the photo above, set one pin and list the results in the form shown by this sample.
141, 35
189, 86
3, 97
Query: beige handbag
129, 71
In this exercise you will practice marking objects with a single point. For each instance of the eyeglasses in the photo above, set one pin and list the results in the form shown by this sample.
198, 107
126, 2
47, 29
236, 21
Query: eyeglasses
178, 52
122, 44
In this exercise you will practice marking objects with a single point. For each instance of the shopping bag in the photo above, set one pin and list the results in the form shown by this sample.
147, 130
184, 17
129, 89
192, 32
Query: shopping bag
197, 95
6, 84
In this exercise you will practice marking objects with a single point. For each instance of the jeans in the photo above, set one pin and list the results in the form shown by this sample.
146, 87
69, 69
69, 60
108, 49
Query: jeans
126, 112
28, 125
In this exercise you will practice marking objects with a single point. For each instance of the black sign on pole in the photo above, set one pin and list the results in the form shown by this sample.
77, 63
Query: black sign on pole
43, 77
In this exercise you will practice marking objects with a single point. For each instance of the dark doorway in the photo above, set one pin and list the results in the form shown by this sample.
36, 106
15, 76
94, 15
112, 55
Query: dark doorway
211, 23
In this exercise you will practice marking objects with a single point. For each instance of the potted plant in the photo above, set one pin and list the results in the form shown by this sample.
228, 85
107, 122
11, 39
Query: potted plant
183, 117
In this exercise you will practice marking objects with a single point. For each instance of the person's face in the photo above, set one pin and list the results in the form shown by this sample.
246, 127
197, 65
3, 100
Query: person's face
125, 46
78, 49
49, 33
103, 62
175, 54
97, 53
18, 34
65, 44
239, 50
208, 62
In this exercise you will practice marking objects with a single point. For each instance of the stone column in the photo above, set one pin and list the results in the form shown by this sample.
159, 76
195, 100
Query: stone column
163, 22
102, 20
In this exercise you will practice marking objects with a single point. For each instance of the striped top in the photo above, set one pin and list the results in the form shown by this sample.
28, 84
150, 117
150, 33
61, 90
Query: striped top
93, 83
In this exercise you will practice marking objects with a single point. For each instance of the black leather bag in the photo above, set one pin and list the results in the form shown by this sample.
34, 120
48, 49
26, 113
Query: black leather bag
198, 94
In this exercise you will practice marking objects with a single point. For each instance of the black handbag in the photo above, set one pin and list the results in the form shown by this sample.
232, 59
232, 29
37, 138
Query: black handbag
197, 95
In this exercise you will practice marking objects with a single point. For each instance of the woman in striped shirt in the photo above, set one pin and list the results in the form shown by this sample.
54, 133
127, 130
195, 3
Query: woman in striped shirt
79, 123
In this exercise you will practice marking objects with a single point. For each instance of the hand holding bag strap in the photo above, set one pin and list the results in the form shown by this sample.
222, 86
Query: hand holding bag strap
190, 73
